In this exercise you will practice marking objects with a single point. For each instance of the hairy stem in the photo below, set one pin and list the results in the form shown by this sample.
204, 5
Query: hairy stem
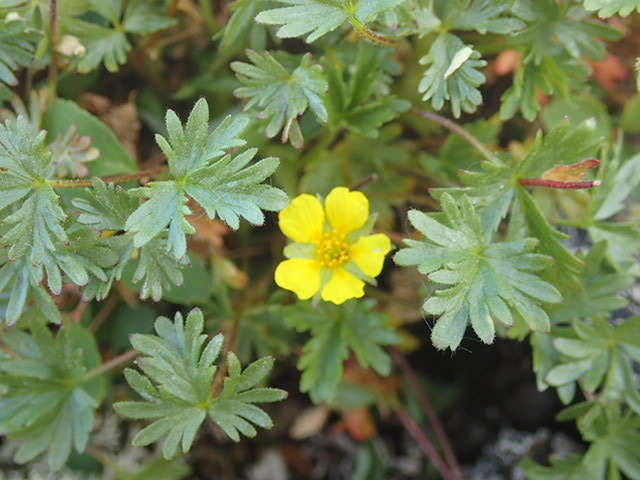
114, 363
369, 34
455, 128
53, 39
425, 444
427, 406
107, 309
546, 183
371, 178
111, 179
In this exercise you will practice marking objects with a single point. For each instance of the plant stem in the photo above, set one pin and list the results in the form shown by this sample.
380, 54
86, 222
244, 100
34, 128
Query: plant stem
546, 183
371, 178
427, 406
207, 13
53, 68
111, 179
455, 128
425, 444
230, 344
107, 309
112, 364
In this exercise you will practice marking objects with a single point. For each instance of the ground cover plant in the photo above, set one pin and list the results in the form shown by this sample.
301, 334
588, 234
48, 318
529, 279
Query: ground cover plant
324, 239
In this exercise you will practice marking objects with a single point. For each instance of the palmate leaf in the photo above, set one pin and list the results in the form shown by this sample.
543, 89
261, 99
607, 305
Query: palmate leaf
483, 16
47, 404
554, 75
358, 98
599, 292
36, 217
178, 368
452, 75
17, 47
557, 39
608, 8
598, 355
22, 285
109, 44
570, 468
619, 179
496, 190
223, 185
107, 207
316, 18
281, 95
337, 330
486, 281
33, 231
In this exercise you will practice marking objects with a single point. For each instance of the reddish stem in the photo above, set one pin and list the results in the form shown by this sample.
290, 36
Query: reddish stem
546, 183
425, 444
425, 402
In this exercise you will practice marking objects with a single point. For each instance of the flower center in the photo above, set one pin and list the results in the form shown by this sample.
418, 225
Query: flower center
333, 250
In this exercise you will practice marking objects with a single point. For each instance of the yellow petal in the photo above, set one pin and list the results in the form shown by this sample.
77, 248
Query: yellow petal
342, 286
368, 253
303, 220
347, 211
300, 275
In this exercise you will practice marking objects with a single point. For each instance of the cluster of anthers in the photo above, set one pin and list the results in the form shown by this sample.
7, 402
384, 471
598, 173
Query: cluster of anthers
333, 250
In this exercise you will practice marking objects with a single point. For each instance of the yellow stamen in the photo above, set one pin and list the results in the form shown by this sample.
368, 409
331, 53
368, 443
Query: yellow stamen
333, 250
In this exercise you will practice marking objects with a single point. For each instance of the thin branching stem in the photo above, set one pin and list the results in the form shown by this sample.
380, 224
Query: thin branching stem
427, 406
114, 363
82, 183
53, 39
422, 439
371, 178
457, 129
107, 309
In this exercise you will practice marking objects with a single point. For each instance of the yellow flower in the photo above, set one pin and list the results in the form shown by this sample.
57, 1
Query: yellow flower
332, 251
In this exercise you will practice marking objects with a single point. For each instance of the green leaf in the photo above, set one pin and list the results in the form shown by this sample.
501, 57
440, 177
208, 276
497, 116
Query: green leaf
233, 409
106, 42
105, 206
598, 292
553, 75
615, 444
21, 282
239, 25
483, 16
557, 28
616, 187
47, 404
17, 48
316, 18
557, 38
178, 368
157, 271
146, 16
114, 158
223, 185
334, 331
452, 75
570, 468
108, 46
358, 97
496, 189
196, 287
281, 95
608, 8
33, 220
484, 281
